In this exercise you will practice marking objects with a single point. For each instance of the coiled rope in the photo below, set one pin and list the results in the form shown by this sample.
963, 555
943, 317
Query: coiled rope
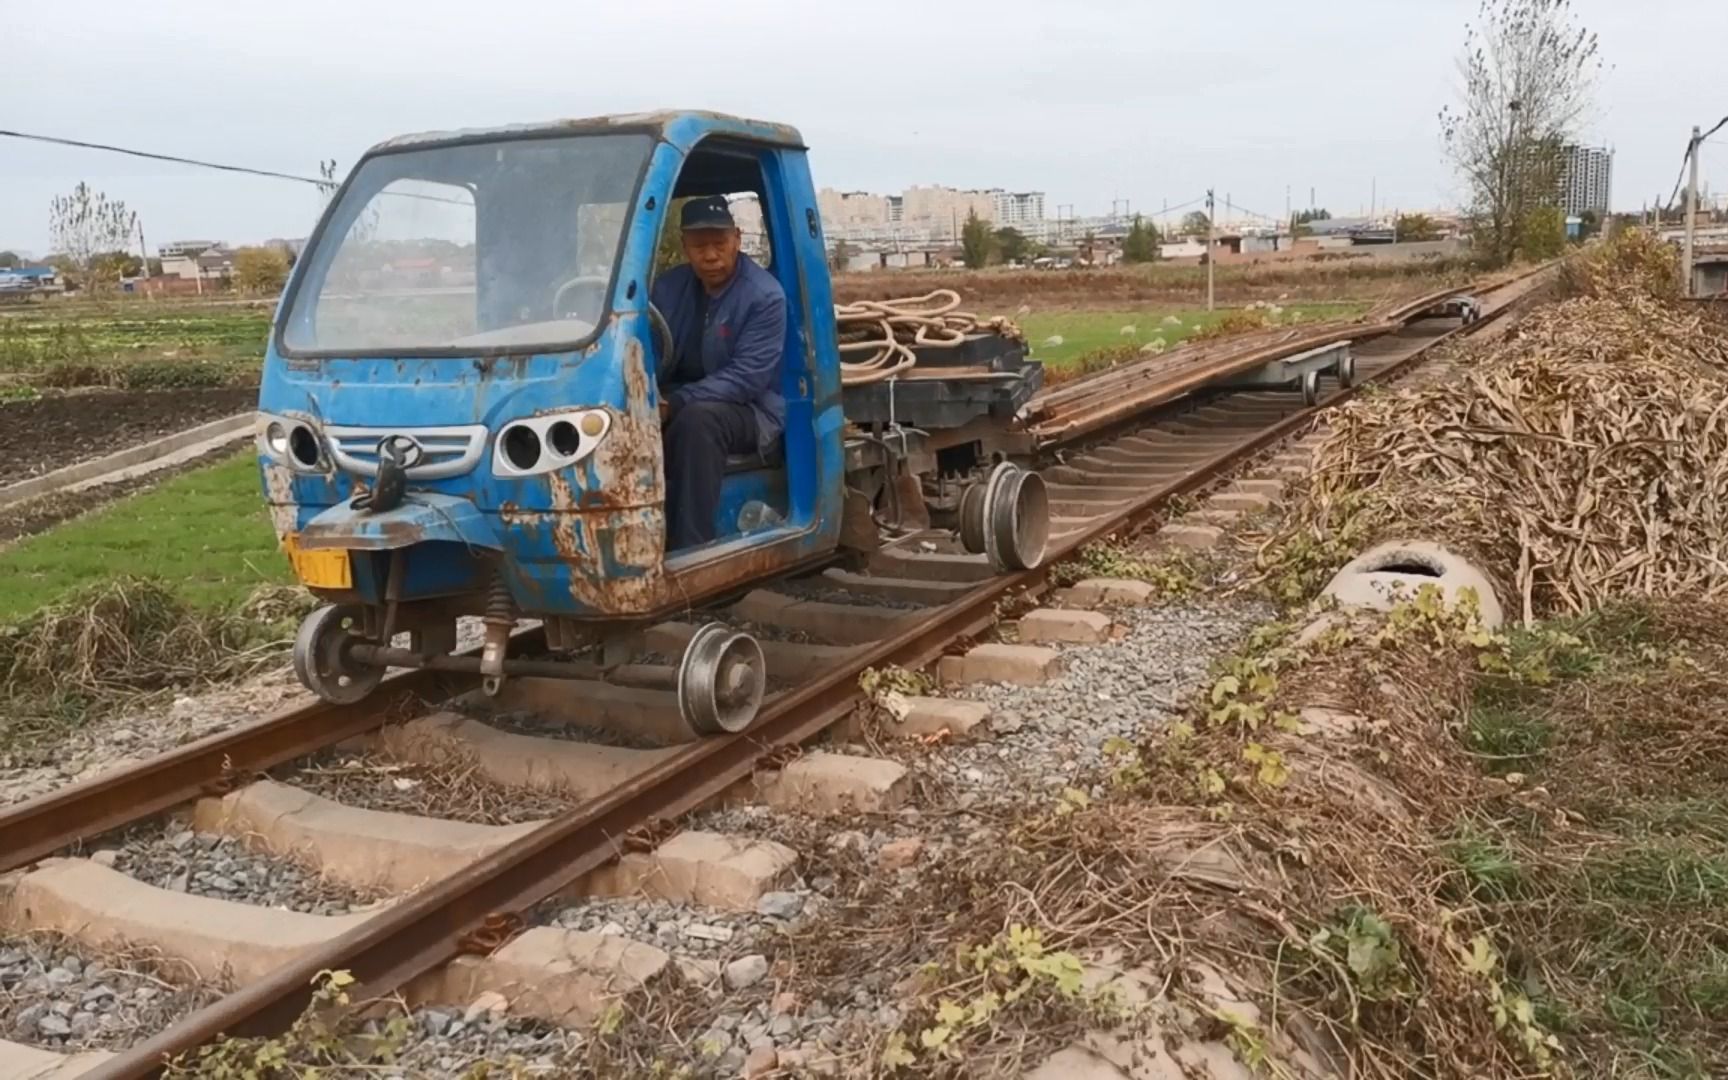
888, 330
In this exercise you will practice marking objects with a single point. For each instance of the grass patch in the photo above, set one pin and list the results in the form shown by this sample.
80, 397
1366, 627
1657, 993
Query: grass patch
1506, 737
1488, 865
204, 535
1614, 896
1085, 332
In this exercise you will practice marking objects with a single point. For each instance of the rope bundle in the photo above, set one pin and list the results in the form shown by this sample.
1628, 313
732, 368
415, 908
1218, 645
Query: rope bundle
888, 330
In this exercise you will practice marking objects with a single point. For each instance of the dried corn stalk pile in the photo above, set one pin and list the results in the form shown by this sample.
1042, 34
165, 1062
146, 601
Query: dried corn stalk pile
1582, 458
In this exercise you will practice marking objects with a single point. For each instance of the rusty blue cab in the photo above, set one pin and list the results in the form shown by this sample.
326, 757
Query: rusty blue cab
472, 319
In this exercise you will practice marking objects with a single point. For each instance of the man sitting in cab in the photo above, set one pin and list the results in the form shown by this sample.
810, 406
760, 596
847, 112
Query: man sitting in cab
720, 389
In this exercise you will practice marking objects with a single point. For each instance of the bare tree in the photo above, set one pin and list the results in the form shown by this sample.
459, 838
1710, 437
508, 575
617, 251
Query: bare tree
87, 224
1529, 73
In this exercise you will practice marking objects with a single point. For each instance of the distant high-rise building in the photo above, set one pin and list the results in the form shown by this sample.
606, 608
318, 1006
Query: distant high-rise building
1019, 207
1586, 179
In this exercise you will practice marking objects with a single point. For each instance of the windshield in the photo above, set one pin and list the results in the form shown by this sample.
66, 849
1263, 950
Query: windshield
491, 245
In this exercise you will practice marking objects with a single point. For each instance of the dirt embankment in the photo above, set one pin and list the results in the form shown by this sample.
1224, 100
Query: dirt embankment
49, 433
1000, 291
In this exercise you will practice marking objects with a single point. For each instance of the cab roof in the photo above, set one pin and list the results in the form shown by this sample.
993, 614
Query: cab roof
682, 128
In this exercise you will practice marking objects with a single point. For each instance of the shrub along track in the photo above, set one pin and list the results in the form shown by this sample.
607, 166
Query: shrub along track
473, 909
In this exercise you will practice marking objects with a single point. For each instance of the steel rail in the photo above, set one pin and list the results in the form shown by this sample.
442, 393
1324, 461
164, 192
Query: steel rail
425, 930
212, 765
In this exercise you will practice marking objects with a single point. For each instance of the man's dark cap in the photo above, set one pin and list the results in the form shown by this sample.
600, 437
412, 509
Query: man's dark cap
709, 212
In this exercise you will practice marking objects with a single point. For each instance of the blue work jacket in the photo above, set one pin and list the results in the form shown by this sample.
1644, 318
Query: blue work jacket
742, 346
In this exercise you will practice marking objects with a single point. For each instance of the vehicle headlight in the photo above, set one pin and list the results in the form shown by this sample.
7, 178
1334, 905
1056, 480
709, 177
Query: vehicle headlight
294, 443
542, 444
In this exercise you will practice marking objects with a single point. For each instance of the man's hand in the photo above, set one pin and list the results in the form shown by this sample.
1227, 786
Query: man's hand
665, 411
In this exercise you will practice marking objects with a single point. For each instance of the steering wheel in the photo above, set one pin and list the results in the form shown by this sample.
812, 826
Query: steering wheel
591, 280
662, 337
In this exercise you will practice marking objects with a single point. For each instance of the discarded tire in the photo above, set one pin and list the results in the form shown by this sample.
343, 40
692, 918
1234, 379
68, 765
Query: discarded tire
1379, 578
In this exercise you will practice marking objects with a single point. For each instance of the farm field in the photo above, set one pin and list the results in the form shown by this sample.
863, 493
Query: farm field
1083, 332
133, 345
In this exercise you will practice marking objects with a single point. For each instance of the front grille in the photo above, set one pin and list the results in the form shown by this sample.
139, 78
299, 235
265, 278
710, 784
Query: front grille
448, 451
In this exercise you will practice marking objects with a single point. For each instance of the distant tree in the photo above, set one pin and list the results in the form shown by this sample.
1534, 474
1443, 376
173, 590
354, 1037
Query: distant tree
977, 242
1141, 243
327, 182
1303, 217
9, 260
670, 252
260, 270
1416, 228
1590, 223
840, 257
1012, 244
1195, 223
1543, 233
1529, 71
87, 223
114, 265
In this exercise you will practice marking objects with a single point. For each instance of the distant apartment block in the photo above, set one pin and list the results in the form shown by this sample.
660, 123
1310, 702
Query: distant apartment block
1586, 179
1019, 208
925, 214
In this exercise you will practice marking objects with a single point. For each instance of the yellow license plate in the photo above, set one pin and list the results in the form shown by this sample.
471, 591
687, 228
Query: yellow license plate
319, 569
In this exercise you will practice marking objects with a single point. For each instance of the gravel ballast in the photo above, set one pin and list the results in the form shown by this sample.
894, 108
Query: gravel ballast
222, 867
67, 999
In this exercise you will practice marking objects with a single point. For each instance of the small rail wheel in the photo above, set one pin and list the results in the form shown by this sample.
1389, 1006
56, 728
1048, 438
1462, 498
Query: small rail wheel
1018, 508
321, 657
1346, 371
1310, 388
972, 518
721, 680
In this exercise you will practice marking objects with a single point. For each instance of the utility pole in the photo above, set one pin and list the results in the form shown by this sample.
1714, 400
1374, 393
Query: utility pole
1691, 211
143, 251
1211, 252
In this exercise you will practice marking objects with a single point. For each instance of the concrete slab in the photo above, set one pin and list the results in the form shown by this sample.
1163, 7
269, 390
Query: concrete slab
1022, 665
914, 590
366, 849
1059, 625
1095, 592
826, 783
580, 770
565, 977
694, 867
930, 565
1194, 537
222, 941
841, 624
627, 710
20, 1062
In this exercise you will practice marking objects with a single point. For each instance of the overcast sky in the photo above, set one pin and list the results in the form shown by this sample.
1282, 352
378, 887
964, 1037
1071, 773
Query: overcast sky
1086, 100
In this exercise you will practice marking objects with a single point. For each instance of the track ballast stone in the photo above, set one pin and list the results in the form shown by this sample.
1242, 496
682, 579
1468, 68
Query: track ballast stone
206, 864
64, 999
1043, 735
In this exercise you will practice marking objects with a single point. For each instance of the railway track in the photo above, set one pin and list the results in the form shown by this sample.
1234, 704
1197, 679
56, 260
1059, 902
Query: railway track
908, 608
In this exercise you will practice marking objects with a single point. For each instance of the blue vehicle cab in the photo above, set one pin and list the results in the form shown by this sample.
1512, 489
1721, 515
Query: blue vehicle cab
459, 410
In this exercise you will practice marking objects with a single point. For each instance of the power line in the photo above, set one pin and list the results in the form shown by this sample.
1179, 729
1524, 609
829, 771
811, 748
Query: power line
1678, 180
164, 157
